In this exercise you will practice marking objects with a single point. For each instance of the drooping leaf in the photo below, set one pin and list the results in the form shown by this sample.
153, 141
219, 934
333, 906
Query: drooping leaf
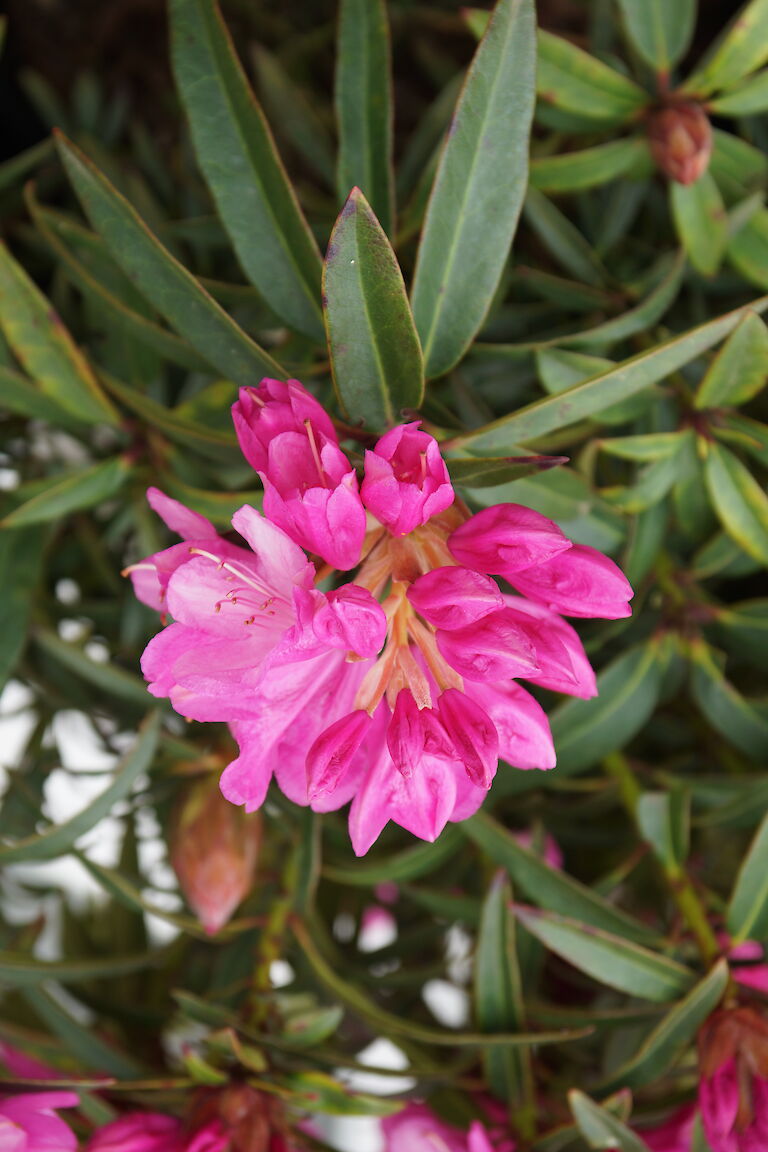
45, 348
740, 368
238, 157
375, 353
478, 190
747, 916
173, 290
738, 499
660, 32
486, 471
364, 107
611, 960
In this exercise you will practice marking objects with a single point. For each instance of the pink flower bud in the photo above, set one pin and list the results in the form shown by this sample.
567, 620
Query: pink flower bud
506, 538
414, 733
214, 849
454, 597
140, 1132
28, 1123
332, 752
311, 492
563, 663
680, 136
406, 481
473, 734
273, 407
493, 648
733, 1089
580, 582
347, 618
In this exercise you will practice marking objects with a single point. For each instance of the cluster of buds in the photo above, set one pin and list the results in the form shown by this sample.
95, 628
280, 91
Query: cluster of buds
395, 688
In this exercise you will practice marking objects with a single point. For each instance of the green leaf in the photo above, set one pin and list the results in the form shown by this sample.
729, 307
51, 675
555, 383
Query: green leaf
498, 994
701, 220
591, 167
571, 79
487, 471
311, 1027
403, 866
81, 488
740, 49
364, 107
294, 115
21, 554
174, 291
747, 916
748, 99
725, 708
585, 731
18, 970
668, 278
108, 678
660, 32
739, 501
210, 441
218, 507
81, 1041
45, 348
478, 191
562, 239
748, 249
617, 383
318, 1092
611, 960
673, 1034
740, 368
744, 627
551, 888
650, 486
651, 446
375, 353
663, 819
236, 152
599, 1128
23, 397
59, 838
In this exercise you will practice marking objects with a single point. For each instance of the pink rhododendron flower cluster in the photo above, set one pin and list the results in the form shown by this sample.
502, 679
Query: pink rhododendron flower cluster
417, 1129
733, 1085
396, 689
28, 1123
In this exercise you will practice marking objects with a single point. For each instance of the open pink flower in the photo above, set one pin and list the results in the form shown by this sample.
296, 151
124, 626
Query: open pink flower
417, 1129
28, 1123
397, 691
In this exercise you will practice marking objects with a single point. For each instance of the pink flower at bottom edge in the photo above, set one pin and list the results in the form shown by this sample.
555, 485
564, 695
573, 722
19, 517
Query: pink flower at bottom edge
675, 1134
417, 1129
28, 1123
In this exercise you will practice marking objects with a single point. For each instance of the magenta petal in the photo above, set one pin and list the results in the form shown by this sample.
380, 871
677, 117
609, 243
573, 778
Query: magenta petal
580, 582
32, 1115
406, 481
473, 734
493, 648
280, 563
506, 538
569, 671
454, 597
405, 734
180, 519
675, 1134
275, 406
525, 740
139, 1132
332, 752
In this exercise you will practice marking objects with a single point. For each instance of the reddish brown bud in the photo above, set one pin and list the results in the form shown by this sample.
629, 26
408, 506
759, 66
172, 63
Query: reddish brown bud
214, 849
733, 1090
680, 137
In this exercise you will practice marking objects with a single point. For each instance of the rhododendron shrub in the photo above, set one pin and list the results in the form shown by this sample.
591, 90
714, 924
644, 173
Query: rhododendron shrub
383, 539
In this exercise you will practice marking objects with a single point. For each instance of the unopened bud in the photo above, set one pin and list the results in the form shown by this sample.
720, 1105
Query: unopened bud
214, 849
733, 1091
680, 137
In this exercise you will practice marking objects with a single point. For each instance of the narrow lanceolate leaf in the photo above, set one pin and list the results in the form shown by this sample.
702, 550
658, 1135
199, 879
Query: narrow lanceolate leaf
748, 909
498, 994
565, 242
701, 221
739, 501
107, 678
45, 347
609, 959
742, 48
673, 1034
209, 441
375, 353
364, 107
600, 1128
18, 970
591, 167
663, 820
570, 78
81, 1041
20, 557
487, 471
174, 291
617, 383
238, 157
749, 99
58, 496
478, 190
730, 713
659, 31
551, 888
740, 368
748, 249
585, 731
293, 115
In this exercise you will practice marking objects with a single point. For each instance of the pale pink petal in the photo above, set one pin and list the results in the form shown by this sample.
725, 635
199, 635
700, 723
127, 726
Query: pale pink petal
229, 602
180, 519
417, 1129
454, 597
280, 563
506, 538
580, 582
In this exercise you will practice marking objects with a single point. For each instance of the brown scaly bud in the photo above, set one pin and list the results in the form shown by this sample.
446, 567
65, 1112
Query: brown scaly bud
680, 137
239, 1119
214, 849
733, 1087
